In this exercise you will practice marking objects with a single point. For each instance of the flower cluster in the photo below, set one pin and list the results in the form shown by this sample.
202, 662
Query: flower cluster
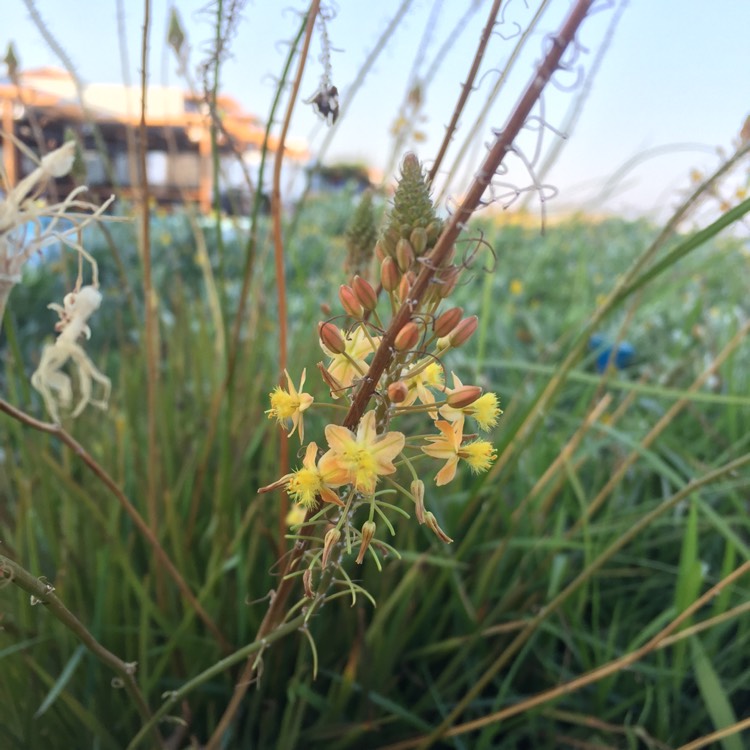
361, 468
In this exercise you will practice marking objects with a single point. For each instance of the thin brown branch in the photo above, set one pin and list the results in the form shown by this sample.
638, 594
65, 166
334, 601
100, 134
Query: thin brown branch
98, 471
42, 593
466, 89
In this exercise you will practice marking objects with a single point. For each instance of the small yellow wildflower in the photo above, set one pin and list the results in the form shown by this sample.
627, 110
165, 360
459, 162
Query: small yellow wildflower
296, 516
427, 377
365, 456
289, 404
516, 287
351, 364
447, 446
313, 480
485, 410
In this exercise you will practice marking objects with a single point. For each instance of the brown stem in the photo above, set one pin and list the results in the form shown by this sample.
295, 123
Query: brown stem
127, 506
268, 622
43, 593
466, 90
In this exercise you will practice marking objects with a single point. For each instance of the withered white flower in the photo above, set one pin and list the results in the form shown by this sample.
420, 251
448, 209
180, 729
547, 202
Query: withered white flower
54, 385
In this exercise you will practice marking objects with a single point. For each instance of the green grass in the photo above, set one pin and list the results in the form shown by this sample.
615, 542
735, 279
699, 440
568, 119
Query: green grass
545, 580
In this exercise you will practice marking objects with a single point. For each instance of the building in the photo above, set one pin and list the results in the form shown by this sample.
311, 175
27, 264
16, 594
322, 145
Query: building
39, 106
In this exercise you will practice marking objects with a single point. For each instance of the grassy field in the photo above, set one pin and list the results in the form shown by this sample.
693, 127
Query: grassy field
571, 609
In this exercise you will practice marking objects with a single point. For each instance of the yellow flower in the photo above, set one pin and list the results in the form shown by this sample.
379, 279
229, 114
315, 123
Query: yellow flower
430, 376
296, 516
516, 287
312, 480
289, 404
365, 456
485, 410
351, 364
447, 446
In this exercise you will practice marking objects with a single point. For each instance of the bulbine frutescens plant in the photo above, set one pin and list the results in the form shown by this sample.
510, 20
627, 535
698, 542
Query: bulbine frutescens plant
362, 468
27, 226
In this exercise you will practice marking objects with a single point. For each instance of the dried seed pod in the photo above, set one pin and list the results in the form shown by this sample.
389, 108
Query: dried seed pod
368, 531
431, 521
331, 539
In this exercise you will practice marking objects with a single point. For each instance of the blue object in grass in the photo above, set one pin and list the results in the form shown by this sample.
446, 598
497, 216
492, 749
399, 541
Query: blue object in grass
623, 356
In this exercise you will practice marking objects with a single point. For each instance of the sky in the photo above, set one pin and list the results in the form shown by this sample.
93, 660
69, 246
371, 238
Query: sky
669, 89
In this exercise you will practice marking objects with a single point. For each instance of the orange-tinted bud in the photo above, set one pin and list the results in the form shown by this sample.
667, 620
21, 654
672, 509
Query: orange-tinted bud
464, 396
325, 308
398, 391
407, 337
379, 252
417, 490
368, 531
463, 331
331, 539
406, 283
389, 274
448, 279
349, 302
432, 523
331, 338
364, 292
447, 321
404, 254
418, 239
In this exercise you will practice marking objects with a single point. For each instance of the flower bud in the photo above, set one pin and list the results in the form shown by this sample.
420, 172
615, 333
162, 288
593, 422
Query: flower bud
398, 391
331, 539
365, 294
368, 531
404, 254
432, 523
389, 274
379, 252
331, 338
418, 239
464, 396
349, 302
463, 331
407, 337
433, 230
389, 239
447, 321
325, 308
406, 283
417, 490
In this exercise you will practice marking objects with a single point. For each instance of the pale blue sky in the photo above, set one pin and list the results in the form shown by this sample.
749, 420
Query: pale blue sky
677, 72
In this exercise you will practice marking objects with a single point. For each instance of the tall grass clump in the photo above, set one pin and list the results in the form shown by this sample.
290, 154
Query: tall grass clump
302, 519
